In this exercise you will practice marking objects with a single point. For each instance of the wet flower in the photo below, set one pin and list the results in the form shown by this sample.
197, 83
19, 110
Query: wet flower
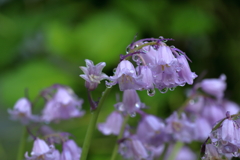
22, 111
93, 74
126, 77
71, 151
211, 153
112, 125
130, 103
41, 151
63, 105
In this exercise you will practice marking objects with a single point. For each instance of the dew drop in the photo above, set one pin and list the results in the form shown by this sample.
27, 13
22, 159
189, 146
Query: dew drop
127, 50
114, 70
151, 92
164, 90
133, 114
191, 102
108, 85
137, 105
136, 46
120, 107
172, 88
235, 154
172, 46
182, 84
161, 37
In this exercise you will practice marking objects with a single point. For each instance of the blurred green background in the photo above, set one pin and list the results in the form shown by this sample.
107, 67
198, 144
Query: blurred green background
43, 42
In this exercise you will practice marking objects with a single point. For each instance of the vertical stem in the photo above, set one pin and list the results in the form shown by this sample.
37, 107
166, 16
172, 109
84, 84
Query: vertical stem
22, 144
91, 126
115, 150
178, 145
164, 151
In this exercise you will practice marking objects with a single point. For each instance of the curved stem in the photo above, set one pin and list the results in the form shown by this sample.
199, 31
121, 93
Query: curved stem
91, 126
22, 144
120, 136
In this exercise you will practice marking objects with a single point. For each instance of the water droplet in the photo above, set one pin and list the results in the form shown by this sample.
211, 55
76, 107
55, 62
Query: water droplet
182, 84
137, 105
172, 88
161, 37
136, 46
172, 46
151, 92
191, 102
127, 49
235, 154
108, 85
120, 107
133, 114
114, 70
164, 90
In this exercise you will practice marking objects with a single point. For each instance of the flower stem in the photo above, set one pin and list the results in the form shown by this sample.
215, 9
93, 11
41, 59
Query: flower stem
91, 126
178, 145
120, 136
22, 144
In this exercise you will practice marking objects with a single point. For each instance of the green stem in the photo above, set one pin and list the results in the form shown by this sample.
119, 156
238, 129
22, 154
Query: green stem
22, 144
164, 152
120, 136
92, 125
178, 145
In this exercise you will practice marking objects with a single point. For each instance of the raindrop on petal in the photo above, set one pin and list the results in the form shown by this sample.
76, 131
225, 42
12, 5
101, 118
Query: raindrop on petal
151, 92
172, 88
164, 90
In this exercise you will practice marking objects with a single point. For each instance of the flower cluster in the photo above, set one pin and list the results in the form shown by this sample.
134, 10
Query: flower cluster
60, 104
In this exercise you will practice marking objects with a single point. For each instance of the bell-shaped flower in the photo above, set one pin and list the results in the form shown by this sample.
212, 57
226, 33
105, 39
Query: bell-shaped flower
71, 151
93, 74
211, 153
147, 77
41, 150
112, 125
148, 127
22, 111
185, 74
180, 128
63, 105
126, 77
203, 128
214, 87
133, 148
130, 103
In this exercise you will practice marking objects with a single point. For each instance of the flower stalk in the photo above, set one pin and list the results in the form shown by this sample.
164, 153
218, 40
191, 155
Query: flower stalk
92, 125
120, 136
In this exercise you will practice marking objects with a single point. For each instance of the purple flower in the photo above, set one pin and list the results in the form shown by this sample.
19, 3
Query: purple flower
112, 125
148, 127
211, 153
147, 78
93, 74
63, 105
185, 74
130, 103
22, 111
202, 129
169, 68
180, 128
41, 151
215, 87
126, 77
71, 151
132, 148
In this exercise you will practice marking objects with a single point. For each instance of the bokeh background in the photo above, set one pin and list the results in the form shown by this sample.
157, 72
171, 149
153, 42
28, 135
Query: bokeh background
43, 42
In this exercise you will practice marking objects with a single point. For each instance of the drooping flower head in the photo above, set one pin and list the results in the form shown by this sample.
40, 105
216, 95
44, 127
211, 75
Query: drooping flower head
112, 125
41, 150
93, 74
130, 103
169, 65
22, 111
71, 151
126, 77
63, 104
215, 87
